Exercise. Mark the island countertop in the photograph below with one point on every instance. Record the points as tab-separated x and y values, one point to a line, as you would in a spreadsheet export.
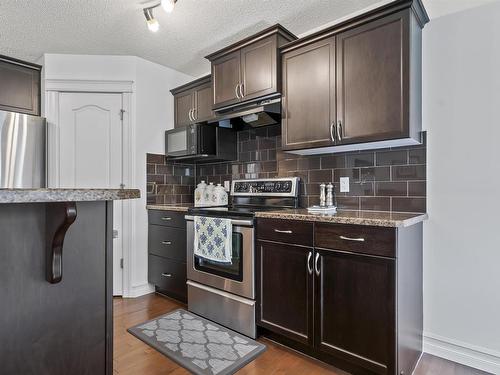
372	218
65	195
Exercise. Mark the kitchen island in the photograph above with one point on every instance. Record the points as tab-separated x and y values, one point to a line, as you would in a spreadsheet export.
56	280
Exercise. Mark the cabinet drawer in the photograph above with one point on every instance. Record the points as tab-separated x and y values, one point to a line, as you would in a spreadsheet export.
167	242
167	218
288	231
168	275
356	238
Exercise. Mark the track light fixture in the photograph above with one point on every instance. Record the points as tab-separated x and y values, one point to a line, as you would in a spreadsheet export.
167	5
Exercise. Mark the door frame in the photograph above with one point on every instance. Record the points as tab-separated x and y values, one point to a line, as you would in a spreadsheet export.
53	89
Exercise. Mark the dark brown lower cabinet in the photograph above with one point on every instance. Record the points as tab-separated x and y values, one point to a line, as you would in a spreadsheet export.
286	290
354	309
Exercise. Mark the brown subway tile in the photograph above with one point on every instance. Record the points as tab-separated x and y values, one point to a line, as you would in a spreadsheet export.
155	159
408	204
221	168
360	189
417	188
150	188
244	156
207	170
287	165
156	178
333	161
391	189
266	143
183	170
375	174
165	189
173	180
150	168
375	203
269	166
319	175
348	203
417	156
164	169
271	154
397	157
250	145
310	189
260	132
360	160
243	136
274	130
309	163
352	173
181	189
282	155
408	172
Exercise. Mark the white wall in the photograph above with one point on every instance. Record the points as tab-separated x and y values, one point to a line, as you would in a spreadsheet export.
461	109
152	113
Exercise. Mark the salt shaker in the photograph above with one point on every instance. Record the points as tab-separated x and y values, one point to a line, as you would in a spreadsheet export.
329	195
322	195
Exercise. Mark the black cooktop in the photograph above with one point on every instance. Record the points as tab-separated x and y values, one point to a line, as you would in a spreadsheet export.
231	211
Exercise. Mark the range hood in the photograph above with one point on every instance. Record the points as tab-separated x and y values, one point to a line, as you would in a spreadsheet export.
258	113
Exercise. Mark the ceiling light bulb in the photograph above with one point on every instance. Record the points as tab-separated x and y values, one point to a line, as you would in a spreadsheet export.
168	5
153	25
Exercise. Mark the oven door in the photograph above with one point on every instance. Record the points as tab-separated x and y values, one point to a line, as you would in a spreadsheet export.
181	141
237	277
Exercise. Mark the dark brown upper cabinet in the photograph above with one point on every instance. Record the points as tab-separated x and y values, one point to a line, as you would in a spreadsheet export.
248	69
19	86
357	84
193	102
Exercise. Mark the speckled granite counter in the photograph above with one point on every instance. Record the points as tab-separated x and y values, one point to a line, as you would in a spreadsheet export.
180	207
65	195
373	218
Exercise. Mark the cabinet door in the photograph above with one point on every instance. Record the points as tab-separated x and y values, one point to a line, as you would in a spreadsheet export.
354	309
258	69
19	88
203	98
226	77
372	84
308	101
285	290
184	103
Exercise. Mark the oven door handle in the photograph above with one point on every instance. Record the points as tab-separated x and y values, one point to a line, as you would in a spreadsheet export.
233	222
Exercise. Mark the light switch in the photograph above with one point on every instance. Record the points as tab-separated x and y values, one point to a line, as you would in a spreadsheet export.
344	184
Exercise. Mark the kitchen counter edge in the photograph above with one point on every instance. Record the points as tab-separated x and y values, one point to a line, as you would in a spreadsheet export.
169	207
66	195
369	218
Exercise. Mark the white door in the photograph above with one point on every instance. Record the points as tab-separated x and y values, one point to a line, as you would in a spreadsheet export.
91	154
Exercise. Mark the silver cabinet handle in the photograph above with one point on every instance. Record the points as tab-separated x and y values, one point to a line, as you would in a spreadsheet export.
352	239
189	115
332	131
166	218
283	231
166	242
166	274
195	114
339	131
236	91
309	265
242	93
316	267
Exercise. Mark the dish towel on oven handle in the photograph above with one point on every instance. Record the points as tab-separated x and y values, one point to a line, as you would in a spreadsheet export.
213	239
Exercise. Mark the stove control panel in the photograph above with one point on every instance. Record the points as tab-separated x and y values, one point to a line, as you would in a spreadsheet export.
271	187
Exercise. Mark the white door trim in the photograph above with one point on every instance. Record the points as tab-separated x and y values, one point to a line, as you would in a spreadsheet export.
53	89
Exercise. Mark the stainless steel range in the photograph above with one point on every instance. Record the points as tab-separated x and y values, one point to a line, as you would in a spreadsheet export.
225	293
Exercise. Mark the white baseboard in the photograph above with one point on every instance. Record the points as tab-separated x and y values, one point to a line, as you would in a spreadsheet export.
464	353
140	290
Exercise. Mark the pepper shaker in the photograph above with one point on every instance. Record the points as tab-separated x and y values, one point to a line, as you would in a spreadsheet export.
322	195
329	194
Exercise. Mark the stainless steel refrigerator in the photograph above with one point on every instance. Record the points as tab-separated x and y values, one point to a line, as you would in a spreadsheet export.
23	140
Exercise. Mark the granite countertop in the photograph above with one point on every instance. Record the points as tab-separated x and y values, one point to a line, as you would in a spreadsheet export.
373	218
181	207
65	195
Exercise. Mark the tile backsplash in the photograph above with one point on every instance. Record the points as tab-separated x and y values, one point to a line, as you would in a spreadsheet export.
384	180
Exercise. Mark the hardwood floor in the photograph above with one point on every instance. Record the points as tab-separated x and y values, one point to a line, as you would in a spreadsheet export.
132	356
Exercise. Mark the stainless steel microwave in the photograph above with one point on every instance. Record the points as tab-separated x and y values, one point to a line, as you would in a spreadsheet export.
201	142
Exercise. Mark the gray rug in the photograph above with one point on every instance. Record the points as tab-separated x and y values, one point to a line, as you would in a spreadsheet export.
197	344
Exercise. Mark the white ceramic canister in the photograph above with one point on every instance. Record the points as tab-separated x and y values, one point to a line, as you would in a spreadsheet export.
220	195
209	195
199	194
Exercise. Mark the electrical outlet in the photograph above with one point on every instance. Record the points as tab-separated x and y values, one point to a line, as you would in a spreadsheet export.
227	186
344	184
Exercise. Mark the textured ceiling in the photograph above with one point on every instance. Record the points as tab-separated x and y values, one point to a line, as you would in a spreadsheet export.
29	28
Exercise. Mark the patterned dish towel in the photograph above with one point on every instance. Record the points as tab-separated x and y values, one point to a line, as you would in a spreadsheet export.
213	239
